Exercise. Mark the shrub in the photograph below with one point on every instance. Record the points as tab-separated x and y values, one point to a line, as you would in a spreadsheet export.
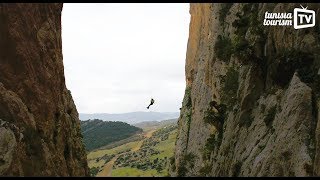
242	24
188	100
188	103
242	49
230	86
206	154
247	19
93	171
182	170
188	97
223	48
189	115
224	12
159	168
211	142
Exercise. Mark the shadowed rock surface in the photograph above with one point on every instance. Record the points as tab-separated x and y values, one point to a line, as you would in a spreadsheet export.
251	105
40	129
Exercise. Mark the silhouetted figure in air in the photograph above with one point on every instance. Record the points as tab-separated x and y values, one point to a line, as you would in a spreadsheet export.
151	103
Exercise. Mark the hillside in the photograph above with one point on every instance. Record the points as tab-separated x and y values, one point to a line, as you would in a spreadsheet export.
131	117
156	124
97	133
150	156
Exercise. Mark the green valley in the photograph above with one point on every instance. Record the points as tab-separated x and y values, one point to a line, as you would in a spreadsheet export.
97	133
148	156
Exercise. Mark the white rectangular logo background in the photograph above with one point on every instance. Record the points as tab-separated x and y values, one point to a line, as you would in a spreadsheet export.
303	15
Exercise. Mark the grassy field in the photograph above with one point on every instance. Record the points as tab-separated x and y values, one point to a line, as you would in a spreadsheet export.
145	158
134	172
166	147
99	153
136	137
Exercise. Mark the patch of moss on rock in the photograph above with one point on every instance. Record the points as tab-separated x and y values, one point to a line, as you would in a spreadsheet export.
230	87
224	11
223	48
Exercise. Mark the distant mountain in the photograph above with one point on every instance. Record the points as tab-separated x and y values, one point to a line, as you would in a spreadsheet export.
149	124
131	117
97	133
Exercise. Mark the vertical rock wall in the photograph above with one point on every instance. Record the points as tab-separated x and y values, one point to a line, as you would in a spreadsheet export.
252	97
39	125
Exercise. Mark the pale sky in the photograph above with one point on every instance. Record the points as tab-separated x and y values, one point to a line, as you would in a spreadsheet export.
118	56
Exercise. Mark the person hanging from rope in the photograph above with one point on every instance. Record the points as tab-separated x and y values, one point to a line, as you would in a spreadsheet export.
151	103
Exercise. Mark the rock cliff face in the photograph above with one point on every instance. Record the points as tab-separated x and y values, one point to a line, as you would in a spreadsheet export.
39	126
251	105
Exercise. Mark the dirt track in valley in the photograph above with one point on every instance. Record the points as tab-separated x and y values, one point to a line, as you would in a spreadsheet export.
107	169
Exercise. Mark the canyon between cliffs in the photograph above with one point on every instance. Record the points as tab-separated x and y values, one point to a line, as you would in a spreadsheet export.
251	104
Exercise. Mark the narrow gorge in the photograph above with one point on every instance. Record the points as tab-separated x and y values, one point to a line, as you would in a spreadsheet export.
251	103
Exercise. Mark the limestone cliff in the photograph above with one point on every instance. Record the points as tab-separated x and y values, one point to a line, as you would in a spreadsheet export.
252	96
39	125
